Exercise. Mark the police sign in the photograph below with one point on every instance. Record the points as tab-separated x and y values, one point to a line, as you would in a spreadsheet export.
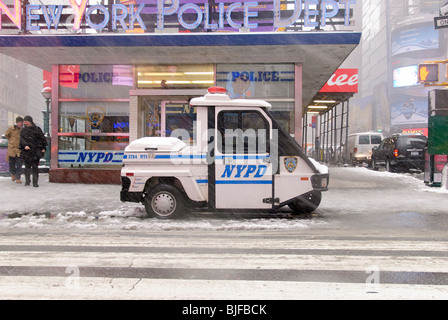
93	157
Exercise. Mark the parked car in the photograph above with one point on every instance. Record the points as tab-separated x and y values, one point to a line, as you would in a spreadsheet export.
360	146
401	152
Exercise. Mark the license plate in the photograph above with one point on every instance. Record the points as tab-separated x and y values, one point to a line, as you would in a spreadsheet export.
414	153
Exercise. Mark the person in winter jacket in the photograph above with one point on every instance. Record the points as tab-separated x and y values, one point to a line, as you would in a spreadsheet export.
13	153
32	144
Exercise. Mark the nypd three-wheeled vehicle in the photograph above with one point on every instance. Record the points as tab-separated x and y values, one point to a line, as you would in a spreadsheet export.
239	158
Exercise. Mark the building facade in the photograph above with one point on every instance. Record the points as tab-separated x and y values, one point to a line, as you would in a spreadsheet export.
20	86
104	107
397	36
121	70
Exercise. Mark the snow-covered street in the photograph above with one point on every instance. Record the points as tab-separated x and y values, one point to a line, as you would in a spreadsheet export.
376	235
358	197
72	208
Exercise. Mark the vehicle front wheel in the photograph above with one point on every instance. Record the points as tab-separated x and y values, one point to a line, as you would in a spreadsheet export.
374	165
165	202
306	203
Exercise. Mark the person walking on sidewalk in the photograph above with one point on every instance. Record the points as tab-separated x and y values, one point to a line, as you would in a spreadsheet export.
32	144
13	153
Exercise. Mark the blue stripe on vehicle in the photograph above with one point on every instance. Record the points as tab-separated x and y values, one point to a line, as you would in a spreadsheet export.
244	182
168	156
242	157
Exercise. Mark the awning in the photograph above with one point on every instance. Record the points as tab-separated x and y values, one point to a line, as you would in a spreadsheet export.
320	53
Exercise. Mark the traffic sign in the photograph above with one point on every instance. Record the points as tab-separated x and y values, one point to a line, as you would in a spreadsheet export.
441	22
428	72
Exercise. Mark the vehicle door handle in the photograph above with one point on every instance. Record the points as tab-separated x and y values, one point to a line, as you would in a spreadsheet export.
267	160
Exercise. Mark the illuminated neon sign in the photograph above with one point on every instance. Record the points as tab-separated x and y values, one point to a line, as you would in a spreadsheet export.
128	16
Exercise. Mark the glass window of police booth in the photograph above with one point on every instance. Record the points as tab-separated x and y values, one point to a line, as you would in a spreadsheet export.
175	76
274	83
92	135
93	115
151	117
95	81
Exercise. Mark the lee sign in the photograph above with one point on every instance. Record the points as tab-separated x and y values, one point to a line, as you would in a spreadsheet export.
343	80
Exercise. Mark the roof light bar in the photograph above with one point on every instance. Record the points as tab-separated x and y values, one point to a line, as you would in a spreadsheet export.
215	90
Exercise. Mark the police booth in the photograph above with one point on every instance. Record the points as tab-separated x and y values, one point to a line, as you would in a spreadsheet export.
122	70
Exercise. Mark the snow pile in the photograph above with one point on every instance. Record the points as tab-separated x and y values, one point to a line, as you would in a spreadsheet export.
407	178
364	198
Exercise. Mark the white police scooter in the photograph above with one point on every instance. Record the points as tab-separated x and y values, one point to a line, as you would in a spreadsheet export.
241	160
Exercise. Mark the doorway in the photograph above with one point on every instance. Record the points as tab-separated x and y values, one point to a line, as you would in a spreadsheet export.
159	115
177	115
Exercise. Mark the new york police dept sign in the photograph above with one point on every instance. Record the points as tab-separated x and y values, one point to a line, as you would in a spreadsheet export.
126	17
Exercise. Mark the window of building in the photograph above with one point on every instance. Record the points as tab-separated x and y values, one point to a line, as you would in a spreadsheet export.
431	6
90	131
274	83
93	128
95	81
424	6
413	7
175	77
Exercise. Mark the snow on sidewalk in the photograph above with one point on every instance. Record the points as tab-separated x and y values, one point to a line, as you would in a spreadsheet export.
81	207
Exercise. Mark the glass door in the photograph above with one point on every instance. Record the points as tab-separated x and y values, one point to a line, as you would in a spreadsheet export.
150	118
178	115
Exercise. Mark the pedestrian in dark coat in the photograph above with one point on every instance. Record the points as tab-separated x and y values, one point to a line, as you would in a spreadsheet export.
32	144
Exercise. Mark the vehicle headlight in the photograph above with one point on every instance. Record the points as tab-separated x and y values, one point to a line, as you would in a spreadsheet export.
320	181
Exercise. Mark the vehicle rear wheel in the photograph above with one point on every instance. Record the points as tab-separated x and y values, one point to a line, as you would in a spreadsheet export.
353	162
306	203
165	202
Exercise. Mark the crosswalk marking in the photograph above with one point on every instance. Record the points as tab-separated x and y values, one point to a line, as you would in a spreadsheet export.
218	240
162	289
227	261
218	266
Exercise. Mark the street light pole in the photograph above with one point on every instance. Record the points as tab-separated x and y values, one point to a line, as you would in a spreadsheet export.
46	93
